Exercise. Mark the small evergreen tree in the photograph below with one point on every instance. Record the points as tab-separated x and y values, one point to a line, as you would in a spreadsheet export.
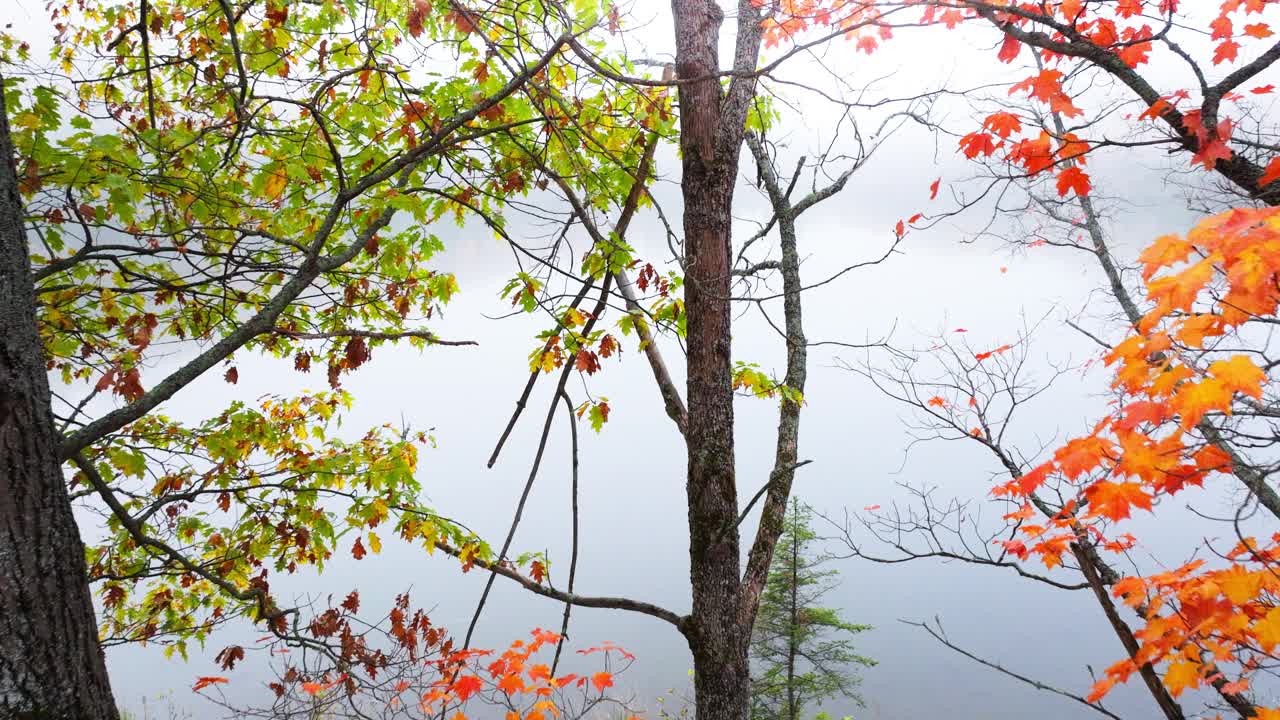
801	653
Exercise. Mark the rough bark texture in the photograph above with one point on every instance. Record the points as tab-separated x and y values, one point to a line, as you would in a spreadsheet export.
711	132
51	666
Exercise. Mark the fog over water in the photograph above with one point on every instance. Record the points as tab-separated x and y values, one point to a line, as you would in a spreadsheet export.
634	540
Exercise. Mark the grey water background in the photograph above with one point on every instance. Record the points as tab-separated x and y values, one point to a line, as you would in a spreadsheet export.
633	521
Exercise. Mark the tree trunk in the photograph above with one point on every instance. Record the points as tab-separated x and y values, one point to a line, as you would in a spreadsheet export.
710	144
793	639
51	665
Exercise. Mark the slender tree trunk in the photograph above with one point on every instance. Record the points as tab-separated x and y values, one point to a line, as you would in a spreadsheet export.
51	665
793	640
1168	706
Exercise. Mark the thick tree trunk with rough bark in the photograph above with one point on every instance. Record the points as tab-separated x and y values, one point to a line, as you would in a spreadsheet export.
711	132
51	665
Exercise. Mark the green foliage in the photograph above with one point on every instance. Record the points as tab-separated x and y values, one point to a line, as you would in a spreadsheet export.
264	177
802	653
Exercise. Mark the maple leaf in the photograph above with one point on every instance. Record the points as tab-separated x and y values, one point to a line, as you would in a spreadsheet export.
1156	109
1133	590
206	681
1180	676
511	684
466	686
1267	630
1239	374
1003	124
1263	89
313	688
936	401
984	355
1036	155
1073	179
1239	585
1113	500
1221	27
1081	455
1165	251
602	680
1100	689
1143	411
977	143
933	189
1227	51
276	183
1258	30
1211	151
1271	173
418	10
1043	86
1009	49
1193	400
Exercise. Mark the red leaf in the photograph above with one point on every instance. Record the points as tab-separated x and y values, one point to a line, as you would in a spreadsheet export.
357	550
1009	49
1272	172
232	375
900	229
977	143
602	680
1227	51
933	189
1075	179
1263	90
465	687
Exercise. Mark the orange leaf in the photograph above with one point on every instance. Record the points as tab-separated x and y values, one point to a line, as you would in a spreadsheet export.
1239	374
1081	455
1165	251
511	684
602	680
1226	52
204	682
1258	30
1113	500
1180	676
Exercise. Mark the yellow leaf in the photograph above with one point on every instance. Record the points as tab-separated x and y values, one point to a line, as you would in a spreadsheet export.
1267	630
276	184
1180	676
1239	585
375	543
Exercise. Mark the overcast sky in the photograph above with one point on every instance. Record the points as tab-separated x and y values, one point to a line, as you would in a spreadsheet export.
635	542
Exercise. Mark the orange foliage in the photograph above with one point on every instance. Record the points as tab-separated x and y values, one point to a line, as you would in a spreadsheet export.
1221	276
